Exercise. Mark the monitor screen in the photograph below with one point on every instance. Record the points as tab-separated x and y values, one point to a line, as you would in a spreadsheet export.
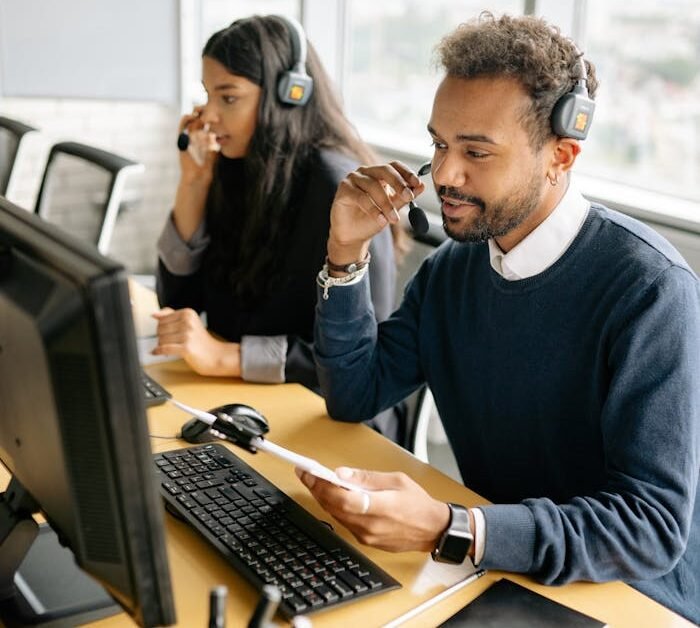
73	429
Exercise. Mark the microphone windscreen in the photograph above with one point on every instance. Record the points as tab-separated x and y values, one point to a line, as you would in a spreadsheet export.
418	220
183	140
425	168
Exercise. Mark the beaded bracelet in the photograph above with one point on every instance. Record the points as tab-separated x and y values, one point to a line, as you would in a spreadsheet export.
326	281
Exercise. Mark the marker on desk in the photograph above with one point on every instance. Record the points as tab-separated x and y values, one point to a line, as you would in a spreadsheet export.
269	601
217	607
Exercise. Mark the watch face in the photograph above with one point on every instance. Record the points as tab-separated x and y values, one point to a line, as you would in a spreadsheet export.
455	546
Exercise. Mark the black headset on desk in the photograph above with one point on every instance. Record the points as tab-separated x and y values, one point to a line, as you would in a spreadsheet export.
294	86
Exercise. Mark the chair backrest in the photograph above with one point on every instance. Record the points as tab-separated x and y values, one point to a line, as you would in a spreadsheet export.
82	190
421	409
12	133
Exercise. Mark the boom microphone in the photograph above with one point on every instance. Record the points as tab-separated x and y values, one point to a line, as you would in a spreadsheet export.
183	140
416	215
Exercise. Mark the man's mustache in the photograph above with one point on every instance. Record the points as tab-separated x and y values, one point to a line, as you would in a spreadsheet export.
456	195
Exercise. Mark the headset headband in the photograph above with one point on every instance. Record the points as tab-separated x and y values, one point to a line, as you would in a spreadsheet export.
298	37
583	81
294	86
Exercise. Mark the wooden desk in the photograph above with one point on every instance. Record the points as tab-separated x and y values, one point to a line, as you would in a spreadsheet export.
298	420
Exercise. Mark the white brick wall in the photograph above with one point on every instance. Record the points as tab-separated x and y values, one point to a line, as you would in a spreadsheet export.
142	131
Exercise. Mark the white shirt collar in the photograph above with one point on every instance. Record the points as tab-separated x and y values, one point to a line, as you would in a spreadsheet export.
547	243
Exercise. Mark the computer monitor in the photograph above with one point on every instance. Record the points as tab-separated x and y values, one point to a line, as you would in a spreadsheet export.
73	431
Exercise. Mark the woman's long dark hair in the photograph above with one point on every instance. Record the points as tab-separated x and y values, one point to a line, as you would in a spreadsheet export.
247	246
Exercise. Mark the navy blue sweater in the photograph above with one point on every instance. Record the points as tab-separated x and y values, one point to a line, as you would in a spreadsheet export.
571	399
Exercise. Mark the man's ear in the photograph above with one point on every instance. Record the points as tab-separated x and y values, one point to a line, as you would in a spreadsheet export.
563	155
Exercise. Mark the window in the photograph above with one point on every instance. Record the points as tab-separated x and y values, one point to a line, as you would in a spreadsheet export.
218	14
646	133
646	130
390	77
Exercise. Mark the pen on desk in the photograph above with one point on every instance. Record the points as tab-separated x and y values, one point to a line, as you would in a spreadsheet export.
269	601
217	607
402	619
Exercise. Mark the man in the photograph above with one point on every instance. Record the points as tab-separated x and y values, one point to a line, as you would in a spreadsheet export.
561	341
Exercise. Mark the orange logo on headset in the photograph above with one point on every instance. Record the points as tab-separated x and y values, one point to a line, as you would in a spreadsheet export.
581	121
296	92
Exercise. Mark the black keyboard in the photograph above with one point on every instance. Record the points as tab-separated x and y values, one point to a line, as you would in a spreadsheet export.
264	534
153	392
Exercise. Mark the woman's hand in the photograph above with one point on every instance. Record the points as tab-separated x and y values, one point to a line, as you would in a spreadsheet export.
181	333
399	516
195	178
197	162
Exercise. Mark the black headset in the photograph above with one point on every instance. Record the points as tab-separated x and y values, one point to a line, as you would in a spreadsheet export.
294	86
573	112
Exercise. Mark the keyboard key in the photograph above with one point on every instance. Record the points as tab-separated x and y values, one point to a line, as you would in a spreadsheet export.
343	589
354	583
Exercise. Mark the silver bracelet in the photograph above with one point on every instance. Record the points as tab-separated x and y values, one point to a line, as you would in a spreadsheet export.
326	281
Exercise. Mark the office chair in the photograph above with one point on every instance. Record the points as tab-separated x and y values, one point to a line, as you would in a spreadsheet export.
82	190
12	134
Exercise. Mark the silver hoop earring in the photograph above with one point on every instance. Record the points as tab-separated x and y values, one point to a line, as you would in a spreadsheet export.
553	181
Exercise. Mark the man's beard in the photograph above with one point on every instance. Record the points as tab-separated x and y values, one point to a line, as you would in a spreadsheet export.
495	219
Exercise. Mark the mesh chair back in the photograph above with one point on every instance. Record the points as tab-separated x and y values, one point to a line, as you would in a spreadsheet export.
12	133
82	190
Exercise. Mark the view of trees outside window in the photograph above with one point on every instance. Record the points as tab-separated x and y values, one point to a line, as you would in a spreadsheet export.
647	122
646	131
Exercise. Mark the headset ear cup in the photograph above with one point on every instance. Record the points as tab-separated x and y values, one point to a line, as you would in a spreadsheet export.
294	88
560	115
572	114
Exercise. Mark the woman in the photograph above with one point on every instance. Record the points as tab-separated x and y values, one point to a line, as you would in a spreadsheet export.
248	231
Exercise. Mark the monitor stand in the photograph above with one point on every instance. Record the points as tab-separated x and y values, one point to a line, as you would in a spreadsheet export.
47	589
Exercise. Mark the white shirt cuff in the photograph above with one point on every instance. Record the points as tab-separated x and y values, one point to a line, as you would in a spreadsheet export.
479	535
263	359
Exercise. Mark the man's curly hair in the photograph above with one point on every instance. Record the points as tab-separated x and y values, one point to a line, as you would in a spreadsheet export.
524	48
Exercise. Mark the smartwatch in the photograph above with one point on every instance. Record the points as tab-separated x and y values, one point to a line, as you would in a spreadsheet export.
456	541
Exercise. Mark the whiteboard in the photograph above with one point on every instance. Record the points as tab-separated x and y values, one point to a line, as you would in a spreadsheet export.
124	50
